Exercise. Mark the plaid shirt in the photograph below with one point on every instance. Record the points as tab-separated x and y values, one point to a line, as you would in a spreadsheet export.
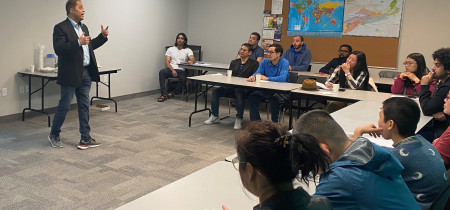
351	82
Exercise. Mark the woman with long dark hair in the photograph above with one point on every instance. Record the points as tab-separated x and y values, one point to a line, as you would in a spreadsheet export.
269	158
408	82
352	74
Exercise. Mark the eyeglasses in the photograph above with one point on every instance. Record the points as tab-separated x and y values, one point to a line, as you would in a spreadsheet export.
236	163
270	52
408	63
343	51
242	49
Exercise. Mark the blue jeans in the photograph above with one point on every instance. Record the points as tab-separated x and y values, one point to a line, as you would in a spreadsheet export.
239	95
259	96
82	94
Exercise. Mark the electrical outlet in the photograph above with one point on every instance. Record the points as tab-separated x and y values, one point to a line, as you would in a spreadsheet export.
21	89
4	91
26	88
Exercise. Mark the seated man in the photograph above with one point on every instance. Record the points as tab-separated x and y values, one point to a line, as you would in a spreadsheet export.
424	168
242	67
175	55
361	175
298	56
344	51
432	104
274	68
258	52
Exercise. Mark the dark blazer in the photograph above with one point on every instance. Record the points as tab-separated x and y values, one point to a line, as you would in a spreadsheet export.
70	54
250	67
332	65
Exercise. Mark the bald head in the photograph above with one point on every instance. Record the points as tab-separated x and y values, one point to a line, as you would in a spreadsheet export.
321	125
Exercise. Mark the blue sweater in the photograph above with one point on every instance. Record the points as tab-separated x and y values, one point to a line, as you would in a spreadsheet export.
277	73
424	172
299	61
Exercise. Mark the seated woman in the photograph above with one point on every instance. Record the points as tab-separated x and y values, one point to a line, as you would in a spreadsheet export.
442	143
408	82
353	74
269	158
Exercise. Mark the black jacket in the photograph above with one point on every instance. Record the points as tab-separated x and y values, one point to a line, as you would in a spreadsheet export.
431	104
332	65
70	54
250	67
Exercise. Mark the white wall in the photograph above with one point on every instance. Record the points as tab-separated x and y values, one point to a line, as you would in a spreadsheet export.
220	27
139	31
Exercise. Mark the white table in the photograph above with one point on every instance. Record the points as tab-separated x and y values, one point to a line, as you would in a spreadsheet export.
365	112
48	77
223	80
207	188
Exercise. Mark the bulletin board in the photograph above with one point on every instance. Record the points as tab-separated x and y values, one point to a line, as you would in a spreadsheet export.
380	51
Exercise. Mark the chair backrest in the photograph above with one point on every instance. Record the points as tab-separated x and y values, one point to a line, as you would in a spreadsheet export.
388	74
196	49
301	78
293	76
309	68
372	86
441	200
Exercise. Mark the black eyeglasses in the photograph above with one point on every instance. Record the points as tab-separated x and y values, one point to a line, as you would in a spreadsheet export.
343	51
408	63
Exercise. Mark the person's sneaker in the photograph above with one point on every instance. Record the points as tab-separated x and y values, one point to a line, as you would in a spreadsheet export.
212	119
55	141
237	124
88	144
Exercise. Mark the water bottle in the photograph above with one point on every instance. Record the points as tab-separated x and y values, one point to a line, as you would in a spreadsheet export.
50	60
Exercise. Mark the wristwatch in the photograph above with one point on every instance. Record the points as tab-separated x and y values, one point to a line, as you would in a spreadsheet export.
346	74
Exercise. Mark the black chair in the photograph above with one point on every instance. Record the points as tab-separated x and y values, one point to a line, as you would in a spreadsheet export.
197	50
441	201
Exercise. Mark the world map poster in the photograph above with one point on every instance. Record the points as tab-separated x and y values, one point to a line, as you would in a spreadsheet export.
316	16
380	18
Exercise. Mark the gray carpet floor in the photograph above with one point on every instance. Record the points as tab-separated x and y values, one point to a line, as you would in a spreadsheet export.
145	146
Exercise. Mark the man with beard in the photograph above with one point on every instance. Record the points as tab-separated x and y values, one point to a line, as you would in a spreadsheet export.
432	105
298	56
344	51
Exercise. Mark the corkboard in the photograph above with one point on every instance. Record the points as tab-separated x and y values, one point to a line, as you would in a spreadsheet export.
380	51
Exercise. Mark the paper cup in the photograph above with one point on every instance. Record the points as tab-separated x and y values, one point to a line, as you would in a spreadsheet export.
31	68
229	73
258	78
335	88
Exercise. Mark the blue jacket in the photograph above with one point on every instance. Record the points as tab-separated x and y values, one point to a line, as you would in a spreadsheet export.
366	176
277	73
299	62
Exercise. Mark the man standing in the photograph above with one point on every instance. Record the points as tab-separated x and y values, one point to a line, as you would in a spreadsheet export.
298	56
433	104
175	55
276	69
361	175
258	52
77	67
241	67
344	51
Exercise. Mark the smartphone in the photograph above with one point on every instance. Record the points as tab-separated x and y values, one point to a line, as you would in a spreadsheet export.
342	89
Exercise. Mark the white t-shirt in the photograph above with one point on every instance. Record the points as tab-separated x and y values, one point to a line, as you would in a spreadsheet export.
177	56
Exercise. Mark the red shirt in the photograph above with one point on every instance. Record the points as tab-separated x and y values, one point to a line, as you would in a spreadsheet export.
442	144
